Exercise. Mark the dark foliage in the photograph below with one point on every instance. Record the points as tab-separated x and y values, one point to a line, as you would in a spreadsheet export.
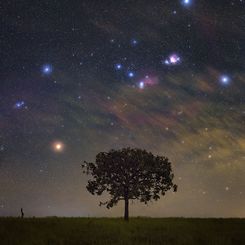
129	174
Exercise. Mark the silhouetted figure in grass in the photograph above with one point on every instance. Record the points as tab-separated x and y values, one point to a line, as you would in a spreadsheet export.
129	174
22	213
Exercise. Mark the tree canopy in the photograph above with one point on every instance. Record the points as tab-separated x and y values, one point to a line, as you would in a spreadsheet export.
129	174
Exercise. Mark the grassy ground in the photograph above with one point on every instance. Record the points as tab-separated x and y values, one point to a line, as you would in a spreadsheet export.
37	231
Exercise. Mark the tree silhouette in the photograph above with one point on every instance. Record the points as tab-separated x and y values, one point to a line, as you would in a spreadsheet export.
129	174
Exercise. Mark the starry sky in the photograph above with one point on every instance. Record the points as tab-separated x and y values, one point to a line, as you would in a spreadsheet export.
80	77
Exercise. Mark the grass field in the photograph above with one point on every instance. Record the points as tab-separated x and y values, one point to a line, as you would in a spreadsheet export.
102	231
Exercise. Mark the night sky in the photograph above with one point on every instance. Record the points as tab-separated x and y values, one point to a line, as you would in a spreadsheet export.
80	77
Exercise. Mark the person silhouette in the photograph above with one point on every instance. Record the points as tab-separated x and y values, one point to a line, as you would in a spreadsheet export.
22	213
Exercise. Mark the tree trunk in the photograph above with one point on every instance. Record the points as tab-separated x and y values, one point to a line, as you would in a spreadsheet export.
126	209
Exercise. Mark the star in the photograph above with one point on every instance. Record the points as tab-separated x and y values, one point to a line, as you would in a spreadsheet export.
58	146
118	66
47	69
186	2
141	85
130	74
147	81
225	80
134	42
19	104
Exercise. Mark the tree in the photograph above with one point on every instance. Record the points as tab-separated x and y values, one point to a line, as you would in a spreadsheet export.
129	174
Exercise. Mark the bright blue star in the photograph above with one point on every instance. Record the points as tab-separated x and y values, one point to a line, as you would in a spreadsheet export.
118	66
19	104
141	85
47	69
134	42
186	2
130	74
225	80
